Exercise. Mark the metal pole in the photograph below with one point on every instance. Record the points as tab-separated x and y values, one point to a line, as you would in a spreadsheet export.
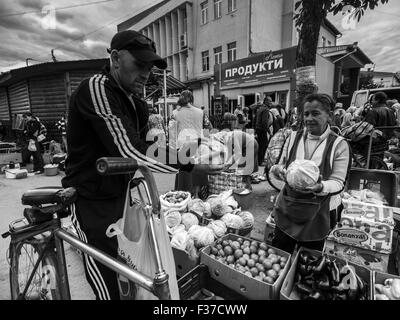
135	276
165	97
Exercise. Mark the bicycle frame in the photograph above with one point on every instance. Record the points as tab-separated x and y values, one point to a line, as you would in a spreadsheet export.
158	286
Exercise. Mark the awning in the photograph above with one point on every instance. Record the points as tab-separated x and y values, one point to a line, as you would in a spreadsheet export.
155	84
350	55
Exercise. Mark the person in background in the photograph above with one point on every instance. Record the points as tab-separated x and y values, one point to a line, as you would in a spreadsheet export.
3	131
380	116
279	112
246	118
305	217
156	128
395	106
264	120
30	146
338	114
206	120
189	122
61	125
240	122
349	117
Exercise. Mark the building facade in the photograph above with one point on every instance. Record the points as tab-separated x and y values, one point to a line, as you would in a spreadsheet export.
196	36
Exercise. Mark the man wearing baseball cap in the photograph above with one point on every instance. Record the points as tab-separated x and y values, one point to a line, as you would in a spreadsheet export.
107	118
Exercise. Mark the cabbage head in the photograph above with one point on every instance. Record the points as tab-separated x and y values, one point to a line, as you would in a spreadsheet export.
232	221
202	236
189	219
173	219
248	219
302	174
218	227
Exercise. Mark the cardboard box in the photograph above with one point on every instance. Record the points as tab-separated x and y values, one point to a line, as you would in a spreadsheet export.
249	287
269	232
365	226
183	264
368	212
16	173
370	259
287	292
379	278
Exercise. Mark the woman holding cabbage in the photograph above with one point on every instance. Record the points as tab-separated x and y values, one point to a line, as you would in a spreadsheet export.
314	164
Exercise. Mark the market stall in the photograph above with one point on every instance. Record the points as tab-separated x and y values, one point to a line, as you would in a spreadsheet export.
216	257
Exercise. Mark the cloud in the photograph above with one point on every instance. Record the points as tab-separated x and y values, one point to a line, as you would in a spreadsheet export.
80	33
377	35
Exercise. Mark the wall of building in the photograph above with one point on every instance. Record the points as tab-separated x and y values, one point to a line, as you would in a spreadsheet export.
231	27
266	25
325	70
324	32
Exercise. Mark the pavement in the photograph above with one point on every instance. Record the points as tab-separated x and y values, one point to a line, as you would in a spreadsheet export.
11	209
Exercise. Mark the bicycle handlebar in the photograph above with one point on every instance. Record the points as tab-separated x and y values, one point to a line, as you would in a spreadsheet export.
116	166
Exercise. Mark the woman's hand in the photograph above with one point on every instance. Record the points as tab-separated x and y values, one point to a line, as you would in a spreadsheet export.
316	188
279	172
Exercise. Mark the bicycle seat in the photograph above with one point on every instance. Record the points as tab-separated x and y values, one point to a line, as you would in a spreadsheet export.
49	195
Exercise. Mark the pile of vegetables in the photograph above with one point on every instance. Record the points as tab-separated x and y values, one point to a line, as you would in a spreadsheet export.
254	259
194	224
390	290
321	278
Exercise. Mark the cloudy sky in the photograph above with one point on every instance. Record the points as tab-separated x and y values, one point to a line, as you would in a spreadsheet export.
84	31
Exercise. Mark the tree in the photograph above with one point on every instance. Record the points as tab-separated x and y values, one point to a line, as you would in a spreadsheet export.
309	17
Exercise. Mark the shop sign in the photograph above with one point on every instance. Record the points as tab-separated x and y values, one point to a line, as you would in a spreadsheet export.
258	69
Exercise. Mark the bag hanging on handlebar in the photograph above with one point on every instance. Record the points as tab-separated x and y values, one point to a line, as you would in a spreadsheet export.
136	248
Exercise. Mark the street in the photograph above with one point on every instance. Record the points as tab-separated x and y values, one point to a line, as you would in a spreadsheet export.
11	209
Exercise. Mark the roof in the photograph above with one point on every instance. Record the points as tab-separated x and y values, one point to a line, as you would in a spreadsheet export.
49	68
42	69
140	16
337	52
331	27
379	73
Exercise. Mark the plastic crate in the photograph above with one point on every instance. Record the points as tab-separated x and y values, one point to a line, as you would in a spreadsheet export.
191	285
375	180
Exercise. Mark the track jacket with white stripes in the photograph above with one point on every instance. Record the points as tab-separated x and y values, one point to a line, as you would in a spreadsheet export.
103	121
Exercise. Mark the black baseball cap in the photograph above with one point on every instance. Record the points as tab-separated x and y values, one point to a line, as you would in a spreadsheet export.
140	46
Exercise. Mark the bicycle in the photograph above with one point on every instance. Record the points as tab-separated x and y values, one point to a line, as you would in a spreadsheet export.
36	252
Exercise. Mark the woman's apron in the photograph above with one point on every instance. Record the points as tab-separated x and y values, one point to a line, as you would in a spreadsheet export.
305	217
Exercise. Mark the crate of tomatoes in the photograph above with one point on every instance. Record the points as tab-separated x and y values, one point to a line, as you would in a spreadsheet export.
249	267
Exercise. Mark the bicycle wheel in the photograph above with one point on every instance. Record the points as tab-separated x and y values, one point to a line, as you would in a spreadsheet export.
44	286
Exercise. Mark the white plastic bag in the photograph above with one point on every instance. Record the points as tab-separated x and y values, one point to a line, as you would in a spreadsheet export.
140	253
32	145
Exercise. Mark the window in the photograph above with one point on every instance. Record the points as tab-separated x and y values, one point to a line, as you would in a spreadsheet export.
218	55
231	5
205	59
204	12
231	51
323	42
217	9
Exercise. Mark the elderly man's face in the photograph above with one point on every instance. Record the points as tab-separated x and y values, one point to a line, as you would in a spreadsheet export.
133	74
